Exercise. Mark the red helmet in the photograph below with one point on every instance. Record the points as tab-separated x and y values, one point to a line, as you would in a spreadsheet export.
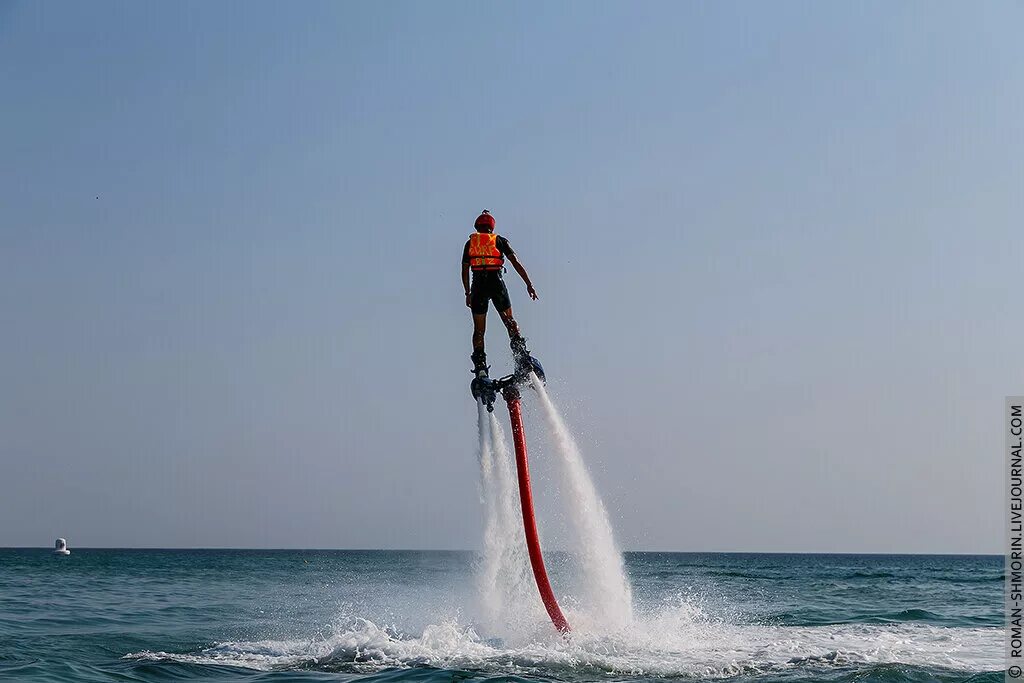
484	220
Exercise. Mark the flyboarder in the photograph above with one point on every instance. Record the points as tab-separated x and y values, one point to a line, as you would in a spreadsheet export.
485	254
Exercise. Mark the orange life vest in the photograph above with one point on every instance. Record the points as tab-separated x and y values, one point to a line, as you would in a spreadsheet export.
483	252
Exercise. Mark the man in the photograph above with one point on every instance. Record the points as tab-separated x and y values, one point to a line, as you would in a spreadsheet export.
485	254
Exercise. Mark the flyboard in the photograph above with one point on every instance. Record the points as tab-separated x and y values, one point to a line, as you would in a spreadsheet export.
486	390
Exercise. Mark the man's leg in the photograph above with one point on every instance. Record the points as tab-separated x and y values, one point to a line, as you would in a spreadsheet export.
516	341
503	306
510	323
479	327
479	358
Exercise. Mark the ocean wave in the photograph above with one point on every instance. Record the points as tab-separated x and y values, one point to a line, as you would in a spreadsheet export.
865	574
737	574
991	578
903	615
829	617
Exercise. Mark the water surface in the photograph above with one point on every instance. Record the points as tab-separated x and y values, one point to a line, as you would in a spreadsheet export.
235	615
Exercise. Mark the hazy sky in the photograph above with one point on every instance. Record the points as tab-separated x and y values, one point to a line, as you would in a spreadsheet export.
776	246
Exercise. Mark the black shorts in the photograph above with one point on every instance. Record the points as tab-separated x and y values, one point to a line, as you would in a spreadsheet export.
488	286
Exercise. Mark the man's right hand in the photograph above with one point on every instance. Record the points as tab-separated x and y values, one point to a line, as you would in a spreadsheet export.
469	300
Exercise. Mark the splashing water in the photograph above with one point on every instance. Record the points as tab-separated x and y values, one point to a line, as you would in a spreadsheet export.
508	596
668	645
608	599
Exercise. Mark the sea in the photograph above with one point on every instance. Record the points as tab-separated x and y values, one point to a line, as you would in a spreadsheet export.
390	616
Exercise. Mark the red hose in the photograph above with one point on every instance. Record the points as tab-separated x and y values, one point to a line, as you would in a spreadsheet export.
529	521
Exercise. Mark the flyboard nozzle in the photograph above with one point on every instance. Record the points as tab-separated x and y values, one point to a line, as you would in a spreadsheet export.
484	389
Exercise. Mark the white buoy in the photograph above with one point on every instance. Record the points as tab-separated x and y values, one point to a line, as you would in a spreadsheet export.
60	547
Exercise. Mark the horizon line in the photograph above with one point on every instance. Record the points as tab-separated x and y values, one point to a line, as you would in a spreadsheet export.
464	550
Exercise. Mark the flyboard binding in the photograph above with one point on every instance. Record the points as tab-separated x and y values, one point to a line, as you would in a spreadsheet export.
485	390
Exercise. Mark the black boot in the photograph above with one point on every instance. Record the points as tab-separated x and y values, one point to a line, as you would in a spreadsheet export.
479	359
519	350
523	361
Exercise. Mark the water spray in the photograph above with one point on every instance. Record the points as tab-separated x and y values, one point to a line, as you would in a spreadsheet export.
485	390
540	574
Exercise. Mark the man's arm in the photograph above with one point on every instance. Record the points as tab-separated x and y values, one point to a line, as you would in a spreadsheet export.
465	282
523	274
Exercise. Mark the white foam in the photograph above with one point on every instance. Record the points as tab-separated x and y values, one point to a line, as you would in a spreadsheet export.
675	641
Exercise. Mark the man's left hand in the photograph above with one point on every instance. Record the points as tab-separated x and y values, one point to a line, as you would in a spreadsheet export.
532	292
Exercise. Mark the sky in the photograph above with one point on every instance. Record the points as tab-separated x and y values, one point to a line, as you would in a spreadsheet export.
777	248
